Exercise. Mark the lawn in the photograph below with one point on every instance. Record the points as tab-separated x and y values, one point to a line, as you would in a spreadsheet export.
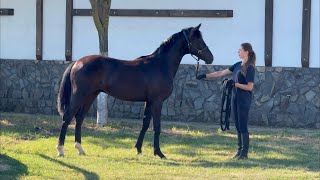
193	150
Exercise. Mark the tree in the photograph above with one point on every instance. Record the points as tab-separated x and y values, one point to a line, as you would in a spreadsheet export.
100	14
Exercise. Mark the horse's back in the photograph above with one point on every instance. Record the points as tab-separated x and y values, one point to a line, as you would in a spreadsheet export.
120	78
134	80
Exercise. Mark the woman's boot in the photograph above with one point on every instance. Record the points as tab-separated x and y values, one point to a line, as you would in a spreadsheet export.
239	146
245	146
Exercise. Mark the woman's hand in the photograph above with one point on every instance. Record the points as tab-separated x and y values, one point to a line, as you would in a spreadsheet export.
202	76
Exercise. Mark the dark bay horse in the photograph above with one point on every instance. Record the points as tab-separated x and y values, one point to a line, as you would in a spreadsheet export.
148	79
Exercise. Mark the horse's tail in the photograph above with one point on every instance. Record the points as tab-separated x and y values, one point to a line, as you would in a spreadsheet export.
64	91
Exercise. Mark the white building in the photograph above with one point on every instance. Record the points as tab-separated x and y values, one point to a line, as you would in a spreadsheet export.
138	36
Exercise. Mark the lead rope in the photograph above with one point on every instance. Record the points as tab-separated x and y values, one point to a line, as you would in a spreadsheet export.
225	105
197	68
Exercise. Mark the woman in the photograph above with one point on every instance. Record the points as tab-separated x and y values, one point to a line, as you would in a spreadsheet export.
243	75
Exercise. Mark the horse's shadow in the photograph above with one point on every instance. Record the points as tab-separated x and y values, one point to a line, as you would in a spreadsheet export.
87	174
11	168
189	146
124	136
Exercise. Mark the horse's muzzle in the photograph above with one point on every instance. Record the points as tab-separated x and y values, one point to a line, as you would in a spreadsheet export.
209	60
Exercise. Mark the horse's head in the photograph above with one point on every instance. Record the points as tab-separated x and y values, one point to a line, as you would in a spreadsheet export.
196	44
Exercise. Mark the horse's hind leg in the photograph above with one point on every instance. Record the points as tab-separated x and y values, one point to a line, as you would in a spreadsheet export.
66	120
79	120
145	126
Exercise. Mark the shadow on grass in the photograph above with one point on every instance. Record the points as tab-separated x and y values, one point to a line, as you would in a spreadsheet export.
11	168
287	155
295	154
267	163
294	157
87	174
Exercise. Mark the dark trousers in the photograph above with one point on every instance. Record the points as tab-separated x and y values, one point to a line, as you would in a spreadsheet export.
241	102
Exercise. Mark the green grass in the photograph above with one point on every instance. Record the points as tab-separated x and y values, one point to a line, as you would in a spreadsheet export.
194	151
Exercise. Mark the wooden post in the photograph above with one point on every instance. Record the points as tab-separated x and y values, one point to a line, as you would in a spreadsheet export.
306	22
39	29
69	24
268	33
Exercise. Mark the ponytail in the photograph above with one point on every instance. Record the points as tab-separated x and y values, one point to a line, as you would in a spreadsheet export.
251	58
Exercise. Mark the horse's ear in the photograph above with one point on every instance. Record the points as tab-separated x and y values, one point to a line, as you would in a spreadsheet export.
195	29
198	27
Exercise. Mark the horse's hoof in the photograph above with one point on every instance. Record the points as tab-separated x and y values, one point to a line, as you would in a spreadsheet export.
82	153
79	148
139	151
161	157
159	153
60	151
60	155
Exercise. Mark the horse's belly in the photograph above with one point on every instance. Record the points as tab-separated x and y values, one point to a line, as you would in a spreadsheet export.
128	91
133	99
128	97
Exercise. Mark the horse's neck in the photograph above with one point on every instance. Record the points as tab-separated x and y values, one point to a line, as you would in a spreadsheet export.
174	56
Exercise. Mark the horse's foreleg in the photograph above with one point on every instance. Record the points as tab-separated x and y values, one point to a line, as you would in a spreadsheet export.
156	113
145	126
79	120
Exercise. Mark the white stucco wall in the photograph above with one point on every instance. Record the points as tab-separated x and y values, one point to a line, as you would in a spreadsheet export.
18	32
314	36
131	37
54	25
287	35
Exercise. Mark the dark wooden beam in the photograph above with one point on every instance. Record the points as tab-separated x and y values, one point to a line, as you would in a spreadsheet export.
82	12
306	22
160	13
6	12
268	33
69	24
39	29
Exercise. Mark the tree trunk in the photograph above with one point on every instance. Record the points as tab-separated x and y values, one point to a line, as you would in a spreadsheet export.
100	14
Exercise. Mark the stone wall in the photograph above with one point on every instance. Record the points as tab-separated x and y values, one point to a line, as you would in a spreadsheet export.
283	97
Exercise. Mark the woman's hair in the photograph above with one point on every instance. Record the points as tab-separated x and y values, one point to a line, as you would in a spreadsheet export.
251	58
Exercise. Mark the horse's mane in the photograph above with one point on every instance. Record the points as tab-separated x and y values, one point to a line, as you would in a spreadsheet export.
169	42
165	45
